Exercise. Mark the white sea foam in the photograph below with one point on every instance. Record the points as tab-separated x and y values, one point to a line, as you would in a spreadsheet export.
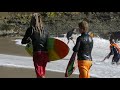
98	69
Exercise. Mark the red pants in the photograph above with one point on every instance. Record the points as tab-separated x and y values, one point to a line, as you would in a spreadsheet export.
40	60
84	68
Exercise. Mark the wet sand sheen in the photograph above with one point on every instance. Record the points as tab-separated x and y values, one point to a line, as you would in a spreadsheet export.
7	46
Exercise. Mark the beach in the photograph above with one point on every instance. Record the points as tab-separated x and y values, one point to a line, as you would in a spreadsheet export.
8	47
12	72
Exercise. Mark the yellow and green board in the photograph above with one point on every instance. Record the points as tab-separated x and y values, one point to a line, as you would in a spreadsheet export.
71	67
57	49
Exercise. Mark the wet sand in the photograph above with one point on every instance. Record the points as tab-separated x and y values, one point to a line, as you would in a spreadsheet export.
7	46
12	72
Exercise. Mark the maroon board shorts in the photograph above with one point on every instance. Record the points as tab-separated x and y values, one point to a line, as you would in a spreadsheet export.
40	59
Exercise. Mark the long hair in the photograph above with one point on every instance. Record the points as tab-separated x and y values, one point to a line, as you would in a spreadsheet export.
36	23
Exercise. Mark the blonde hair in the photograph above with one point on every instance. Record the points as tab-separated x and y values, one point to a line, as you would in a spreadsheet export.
36	23
84	25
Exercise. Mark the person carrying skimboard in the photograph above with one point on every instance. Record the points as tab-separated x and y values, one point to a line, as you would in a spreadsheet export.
83	48
37	34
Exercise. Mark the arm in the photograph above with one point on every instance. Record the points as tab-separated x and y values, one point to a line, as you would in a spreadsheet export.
107	57
111	53
26	38
77	45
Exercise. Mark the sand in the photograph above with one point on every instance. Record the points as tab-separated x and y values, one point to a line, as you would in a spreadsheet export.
9	47
12	72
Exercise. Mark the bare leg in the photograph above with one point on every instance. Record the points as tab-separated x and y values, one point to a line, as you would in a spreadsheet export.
41	77
73	42
68	42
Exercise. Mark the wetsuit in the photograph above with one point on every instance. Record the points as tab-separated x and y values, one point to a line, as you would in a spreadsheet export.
70	35
115	50
83	47
40	54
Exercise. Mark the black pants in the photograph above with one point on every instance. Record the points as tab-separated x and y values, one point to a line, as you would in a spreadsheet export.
116	58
